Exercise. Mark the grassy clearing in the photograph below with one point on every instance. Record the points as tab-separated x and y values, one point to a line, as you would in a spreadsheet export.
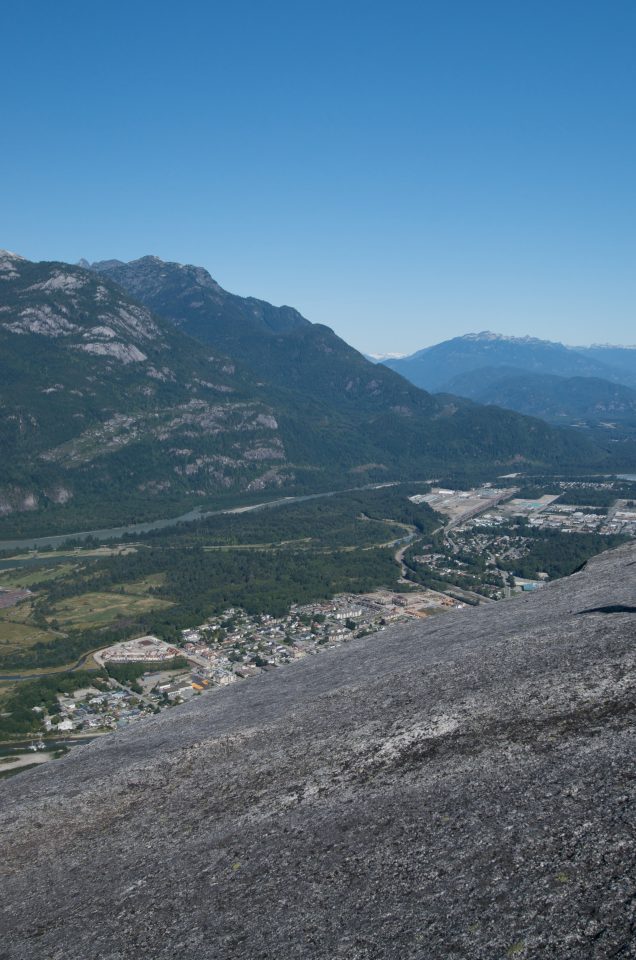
21	613
33	574
14	635
91	663
141	588
18	631
76	553
23	577
93	610
35	672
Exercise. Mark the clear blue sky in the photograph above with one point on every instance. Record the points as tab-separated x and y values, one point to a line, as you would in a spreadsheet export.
403	172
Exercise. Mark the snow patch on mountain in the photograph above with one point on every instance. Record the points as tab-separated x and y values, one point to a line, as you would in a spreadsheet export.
8	265
608	346
378	357
488	335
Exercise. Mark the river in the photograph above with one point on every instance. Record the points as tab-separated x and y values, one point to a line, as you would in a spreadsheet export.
115	533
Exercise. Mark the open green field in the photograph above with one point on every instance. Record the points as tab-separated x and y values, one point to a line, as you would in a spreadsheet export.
76	553
13	635
18	631
91	610
20	613
21	628
28	578
142	588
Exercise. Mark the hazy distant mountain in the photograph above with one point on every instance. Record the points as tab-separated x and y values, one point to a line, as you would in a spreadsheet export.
404	425
379	357
112	410
277	343
559	400
621	359
435	368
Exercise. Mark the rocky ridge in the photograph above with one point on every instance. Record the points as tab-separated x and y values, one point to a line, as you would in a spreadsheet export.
99	394
459	788
191	291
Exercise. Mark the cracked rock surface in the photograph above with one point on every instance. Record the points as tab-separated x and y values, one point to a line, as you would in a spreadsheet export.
459	788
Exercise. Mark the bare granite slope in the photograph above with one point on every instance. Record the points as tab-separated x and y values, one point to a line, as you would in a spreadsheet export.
460	788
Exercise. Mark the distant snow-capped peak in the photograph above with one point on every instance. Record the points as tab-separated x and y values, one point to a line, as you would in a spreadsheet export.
377	357
500	337
609	346
9	263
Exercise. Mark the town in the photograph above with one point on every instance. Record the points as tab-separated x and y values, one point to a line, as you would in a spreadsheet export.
146	675
490	545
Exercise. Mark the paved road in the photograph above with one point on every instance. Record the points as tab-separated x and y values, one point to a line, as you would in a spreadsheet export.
457	593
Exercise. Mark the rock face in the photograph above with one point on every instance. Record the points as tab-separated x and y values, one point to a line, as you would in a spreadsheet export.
100	397
459	788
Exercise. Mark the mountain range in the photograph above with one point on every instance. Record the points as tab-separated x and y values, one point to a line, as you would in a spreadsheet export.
131	389
435	368
562	385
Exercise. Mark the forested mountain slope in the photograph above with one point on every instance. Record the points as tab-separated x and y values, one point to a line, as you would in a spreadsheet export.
621	359
277	343
559	400
459	788
287	351
101	400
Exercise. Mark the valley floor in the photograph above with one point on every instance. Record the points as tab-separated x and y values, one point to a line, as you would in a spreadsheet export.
244	592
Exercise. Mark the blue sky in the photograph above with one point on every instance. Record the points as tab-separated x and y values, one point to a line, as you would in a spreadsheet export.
402	172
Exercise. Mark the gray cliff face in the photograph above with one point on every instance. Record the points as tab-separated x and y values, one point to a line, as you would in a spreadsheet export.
459	788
